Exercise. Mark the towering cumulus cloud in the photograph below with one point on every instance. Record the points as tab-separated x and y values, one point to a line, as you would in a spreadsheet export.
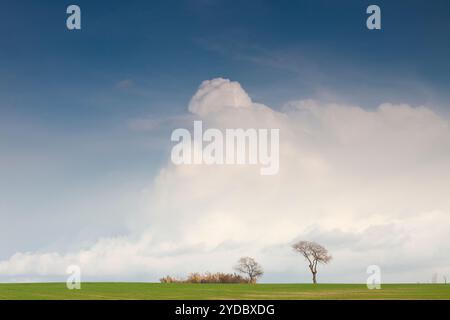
217	94
370	185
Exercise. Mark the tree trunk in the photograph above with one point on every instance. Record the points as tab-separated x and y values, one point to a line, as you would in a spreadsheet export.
314	278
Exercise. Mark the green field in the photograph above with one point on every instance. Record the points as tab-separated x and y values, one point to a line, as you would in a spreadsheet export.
155	291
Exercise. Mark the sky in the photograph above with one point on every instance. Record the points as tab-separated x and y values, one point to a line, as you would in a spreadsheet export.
86	118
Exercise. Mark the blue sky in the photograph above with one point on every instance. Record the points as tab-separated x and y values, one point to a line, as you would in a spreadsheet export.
167	48
67	98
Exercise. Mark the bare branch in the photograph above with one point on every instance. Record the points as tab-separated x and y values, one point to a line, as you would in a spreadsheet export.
249	267
314	253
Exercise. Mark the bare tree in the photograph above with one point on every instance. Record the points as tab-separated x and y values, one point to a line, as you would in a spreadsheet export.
313	253
250	268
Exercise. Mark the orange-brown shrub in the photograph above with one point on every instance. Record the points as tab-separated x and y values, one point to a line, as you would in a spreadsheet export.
168	279
207	277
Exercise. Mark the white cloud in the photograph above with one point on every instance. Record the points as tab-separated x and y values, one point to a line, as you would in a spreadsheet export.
371	185
218	94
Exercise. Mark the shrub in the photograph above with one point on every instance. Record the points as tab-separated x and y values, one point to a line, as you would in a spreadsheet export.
207	277
168	279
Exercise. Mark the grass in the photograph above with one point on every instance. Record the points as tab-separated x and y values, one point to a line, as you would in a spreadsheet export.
157	291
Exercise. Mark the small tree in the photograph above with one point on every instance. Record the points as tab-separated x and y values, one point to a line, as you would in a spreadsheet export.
313	253
250	268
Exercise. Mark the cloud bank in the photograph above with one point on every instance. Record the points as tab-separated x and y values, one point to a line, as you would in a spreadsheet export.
370	185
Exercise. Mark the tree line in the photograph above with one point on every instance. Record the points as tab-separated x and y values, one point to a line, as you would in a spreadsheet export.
249	270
